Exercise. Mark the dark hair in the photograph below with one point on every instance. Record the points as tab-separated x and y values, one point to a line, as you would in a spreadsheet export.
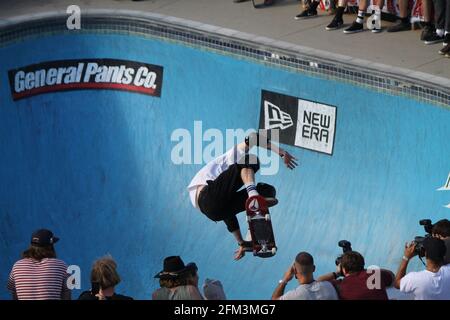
304	259
352	262
39	253
442	228
183	279
104	272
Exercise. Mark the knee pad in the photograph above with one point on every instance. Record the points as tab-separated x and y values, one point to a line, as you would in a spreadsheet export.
266	190
249	161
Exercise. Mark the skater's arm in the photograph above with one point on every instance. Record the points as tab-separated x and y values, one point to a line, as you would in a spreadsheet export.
240	252
261	140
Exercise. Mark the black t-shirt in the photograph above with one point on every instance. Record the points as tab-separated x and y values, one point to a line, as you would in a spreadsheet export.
87	295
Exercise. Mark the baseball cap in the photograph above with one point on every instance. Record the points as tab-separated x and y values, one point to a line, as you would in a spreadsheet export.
434	249
43	237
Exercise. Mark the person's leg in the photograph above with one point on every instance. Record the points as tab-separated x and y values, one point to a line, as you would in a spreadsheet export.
439	16
338	21
428	32
357	25
446	49
447	23
404	22
310	11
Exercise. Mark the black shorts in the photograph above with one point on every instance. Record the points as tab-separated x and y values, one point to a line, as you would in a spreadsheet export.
221	199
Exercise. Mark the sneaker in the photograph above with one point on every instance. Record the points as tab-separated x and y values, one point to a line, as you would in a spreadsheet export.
376	30
355	27
433	38
445	50
308	13
400	26
336	23
447	39
427	32
271	202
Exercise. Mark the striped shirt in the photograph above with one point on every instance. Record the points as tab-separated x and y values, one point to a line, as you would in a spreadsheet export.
38	280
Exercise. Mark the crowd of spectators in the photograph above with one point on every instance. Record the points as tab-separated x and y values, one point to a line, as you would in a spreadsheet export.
435	19
40	275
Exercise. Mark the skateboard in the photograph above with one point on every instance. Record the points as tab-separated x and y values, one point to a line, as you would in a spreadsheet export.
260	225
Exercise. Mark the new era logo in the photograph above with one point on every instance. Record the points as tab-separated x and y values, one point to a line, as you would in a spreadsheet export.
274	118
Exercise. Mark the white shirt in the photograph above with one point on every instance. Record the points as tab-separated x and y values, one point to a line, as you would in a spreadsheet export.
212	170
427	285
317	290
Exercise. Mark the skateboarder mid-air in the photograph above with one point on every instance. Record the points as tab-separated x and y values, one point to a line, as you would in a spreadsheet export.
215	188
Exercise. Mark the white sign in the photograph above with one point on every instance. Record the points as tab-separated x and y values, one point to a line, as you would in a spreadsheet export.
316	124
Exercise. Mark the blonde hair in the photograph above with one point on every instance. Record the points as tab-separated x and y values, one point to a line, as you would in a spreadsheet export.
104	272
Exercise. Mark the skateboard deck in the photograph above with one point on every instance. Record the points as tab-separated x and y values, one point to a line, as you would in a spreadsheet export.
260	225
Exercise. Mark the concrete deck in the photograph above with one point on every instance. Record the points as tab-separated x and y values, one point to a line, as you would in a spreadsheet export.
403	49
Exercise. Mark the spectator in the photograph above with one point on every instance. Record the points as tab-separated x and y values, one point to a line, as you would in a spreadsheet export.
433	283
355	284
441	230
178	281
104	279
213	290
428	35
309	11
358	24
308	289
442	20
404	24
39	275
338	21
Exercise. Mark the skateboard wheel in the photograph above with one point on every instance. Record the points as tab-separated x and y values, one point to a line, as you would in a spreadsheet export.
267	217
274	250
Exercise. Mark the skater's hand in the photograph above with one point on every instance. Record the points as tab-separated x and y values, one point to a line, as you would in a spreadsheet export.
289	160
239	253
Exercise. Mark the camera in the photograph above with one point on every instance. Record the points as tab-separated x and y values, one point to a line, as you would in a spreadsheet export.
418	241
346	247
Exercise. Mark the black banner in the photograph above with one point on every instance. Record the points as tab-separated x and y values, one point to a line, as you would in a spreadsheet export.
301	123
86	74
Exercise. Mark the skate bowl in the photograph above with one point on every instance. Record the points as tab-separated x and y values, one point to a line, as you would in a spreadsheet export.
95	162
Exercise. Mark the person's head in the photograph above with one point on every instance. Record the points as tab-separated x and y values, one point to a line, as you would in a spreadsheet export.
41	245
435	250
104	273
304	267
441	229
352	262
175	273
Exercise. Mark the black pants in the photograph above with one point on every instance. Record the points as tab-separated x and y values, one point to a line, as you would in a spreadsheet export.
442	14
220	200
